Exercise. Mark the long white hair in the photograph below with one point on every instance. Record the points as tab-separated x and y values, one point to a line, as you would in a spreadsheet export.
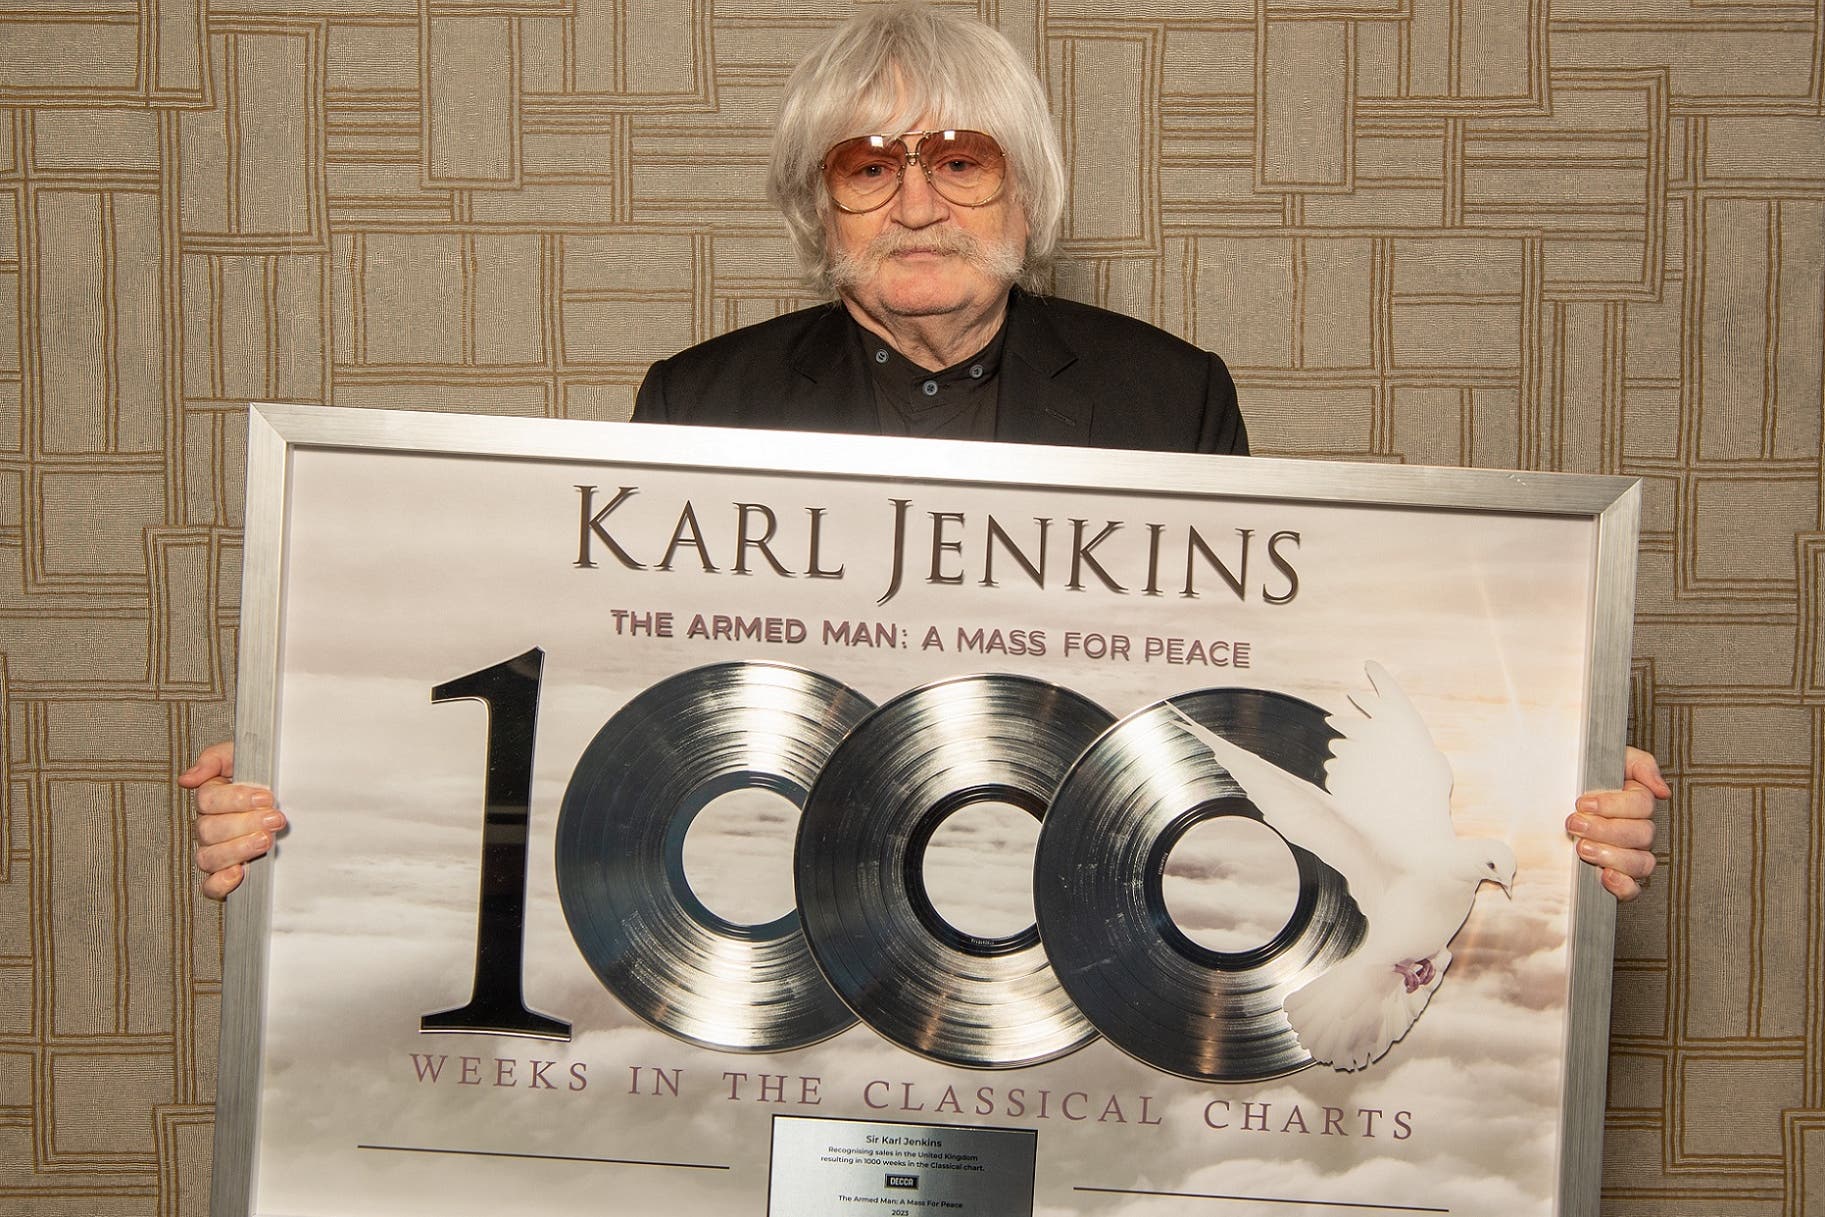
887	69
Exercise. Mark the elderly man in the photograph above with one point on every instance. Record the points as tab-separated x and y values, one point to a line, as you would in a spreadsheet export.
921	179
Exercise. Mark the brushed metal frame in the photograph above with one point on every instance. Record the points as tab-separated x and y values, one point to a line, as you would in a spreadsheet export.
275	431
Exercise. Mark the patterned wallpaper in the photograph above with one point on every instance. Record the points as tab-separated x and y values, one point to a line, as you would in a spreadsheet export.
1568	235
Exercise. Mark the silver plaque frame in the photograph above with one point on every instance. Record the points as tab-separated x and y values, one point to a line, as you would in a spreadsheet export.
1607	509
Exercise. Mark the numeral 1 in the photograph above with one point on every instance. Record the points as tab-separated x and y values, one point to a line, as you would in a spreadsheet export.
497	1005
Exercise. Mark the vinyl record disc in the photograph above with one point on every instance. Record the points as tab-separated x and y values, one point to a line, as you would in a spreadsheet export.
910	974
620	853
1098	890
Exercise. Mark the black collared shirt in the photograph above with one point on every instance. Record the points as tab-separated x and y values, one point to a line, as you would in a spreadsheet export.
957	403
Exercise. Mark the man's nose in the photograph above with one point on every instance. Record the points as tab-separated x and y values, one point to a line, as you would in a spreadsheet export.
917	204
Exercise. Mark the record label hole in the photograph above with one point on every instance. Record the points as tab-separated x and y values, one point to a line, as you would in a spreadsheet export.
738	856
1230	884
979	869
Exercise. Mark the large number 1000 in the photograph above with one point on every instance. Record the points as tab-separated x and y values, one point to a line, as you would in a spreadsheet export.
637	785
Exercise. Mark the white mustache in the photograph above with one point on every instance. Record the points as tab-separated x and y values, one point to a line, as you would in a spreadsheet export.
998	259
924	241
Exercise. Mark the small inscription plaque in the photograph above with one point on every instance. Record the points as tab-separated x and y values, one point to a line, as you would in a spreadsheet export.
842	1168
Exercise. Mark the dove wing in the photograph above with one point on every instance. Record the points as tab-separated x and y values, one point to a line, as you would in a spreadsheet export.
1388	775
1302	813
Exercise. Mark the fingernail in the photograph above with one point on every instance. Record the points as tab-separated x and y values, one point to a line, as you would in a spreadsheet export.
1587	803
1577	825
262	841
1587	849
273	820
259	799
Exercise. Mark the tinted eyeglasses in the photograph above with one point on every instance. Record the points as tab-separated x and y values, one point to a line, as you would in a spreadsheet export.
965	167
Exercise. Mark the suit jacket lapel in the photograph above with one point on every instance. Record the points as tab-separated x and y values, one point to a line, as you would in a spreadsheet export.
1038	403
830	388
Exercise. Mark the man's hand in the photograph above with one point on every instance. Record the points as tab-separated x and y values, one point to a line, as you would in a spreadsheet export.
1615	828
235	822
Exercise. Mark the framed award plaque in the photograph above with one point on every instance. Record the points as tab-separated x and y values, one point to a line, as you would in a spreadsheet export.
703	822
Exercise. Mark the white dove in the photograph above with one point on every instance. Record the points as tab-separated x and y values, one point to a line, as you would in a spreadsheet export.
1385	826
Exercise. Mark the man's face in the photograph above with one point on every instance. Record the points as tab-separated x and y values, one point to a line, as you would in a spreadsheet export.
924	256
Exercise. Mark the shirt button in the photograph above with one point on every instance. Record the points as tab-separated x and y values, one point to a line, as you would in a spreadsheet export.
975	371
880	356
931	388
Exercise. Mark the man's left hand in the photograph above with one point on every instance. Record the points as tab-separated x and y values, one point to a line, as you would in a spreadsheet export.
1615	828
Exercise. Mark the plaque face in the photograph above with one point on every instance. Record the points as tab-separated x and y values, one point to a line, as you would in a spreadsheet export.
836	1168
697	822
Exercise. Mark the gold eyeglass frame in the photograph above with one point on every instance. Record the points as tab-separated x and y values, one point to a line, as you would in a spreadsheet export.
910	158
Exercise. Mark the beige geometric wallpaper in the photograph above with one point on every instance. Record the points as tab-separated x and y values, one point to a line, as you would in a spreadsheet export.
1579	234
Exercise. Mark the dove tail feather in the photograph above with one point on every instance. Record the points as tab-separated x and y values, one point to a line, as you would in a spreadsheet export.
1349	1017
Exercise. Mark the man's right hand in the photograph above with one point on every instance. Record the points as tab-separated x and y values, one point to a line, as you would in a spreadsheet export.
235	821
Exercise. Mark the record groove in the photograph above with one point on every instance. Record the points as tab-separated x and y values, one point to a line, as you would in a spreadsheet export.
620	853
912	976
1138	978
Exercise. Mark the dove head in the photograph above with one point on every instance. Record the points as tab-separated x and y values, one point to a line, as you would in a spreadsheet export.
1489	860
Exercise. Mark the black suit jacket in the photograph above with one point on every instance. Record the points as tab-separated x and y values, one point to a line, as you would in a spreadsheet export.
1070	374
